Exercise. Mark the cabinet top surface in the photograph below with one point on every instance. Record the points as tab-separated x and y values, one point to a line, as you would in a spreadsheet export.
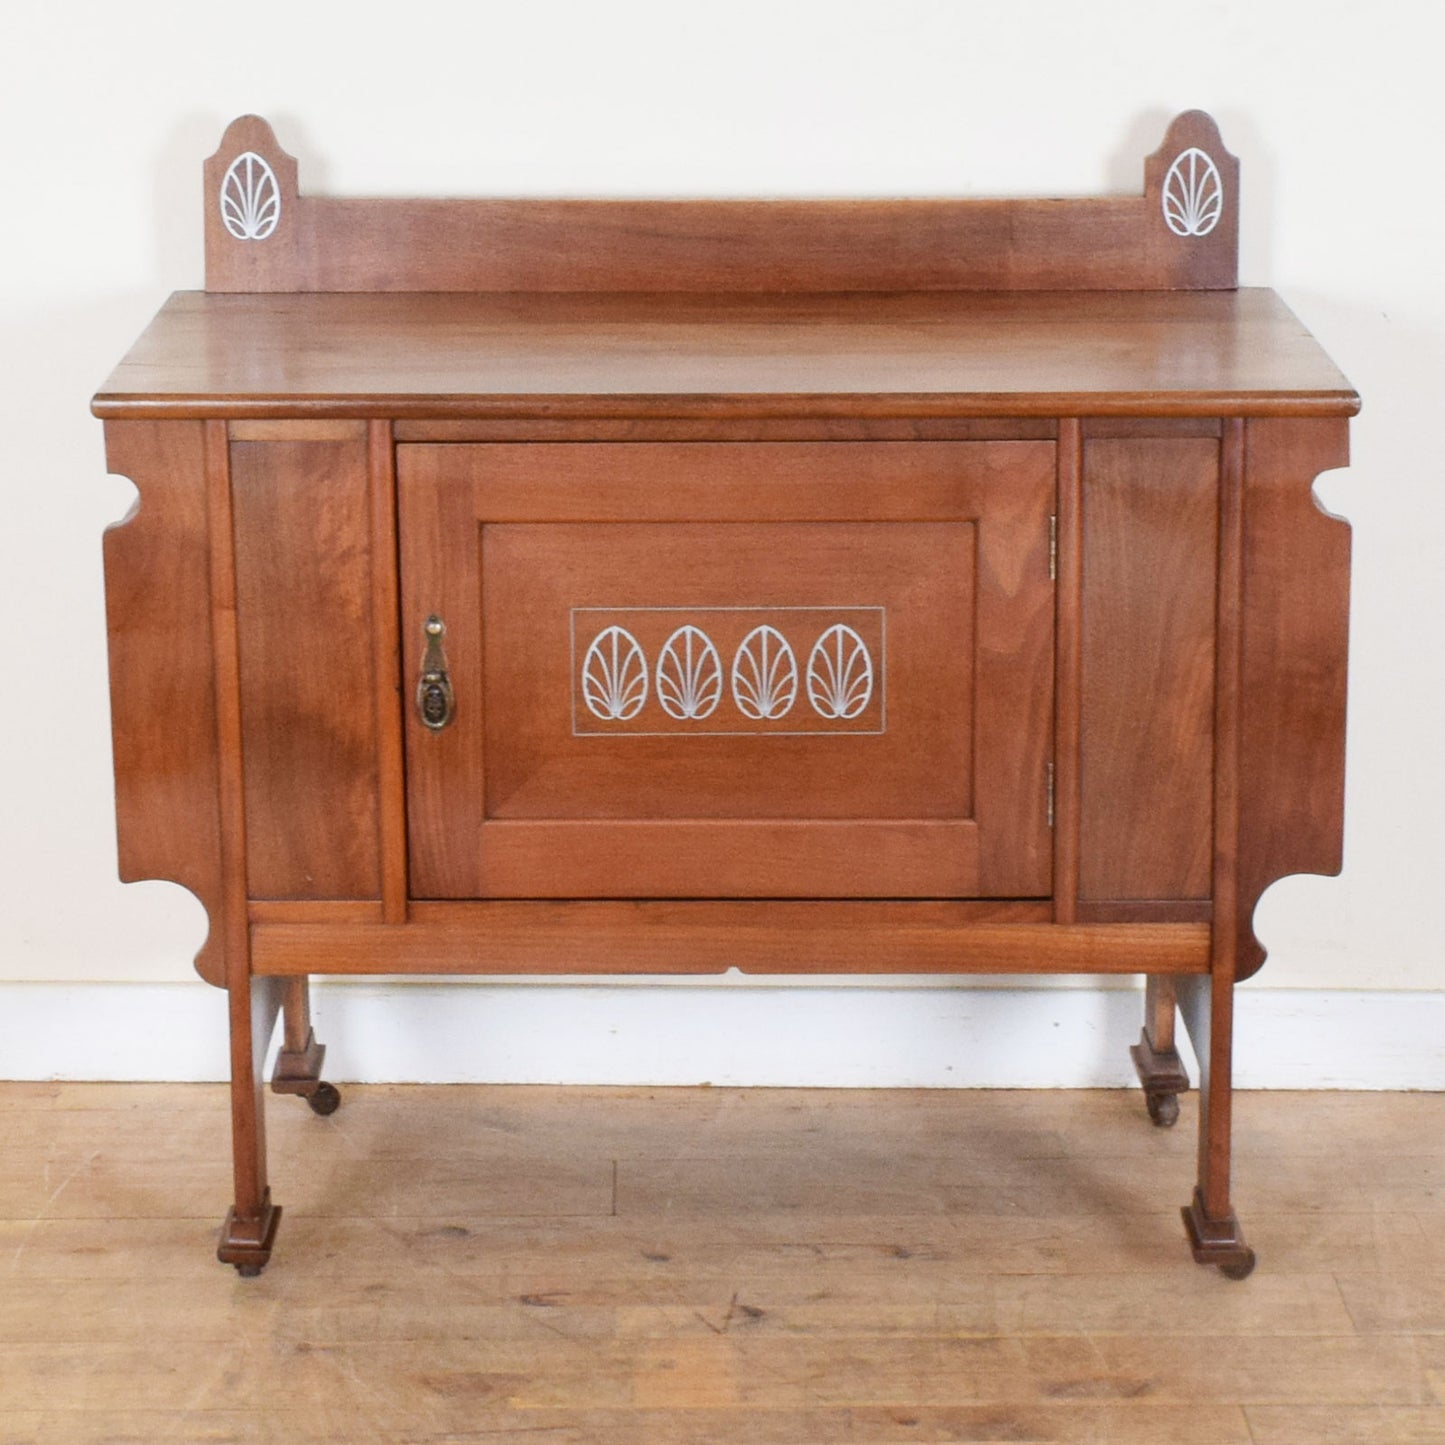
659	355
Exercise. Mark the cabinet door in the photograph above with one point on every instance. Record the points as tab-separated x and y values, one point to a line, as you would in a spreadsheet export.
731	669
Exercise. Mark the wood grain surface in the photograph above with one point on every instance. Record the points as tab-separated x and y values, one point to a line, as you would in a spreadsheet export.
701	1267
606	356
1146	414
289	241
1147	766
698	936
940	791
305	585
162	671
1295	643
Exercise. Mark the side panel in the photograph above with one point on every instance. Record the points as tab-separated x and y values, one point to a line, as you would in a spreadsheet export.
1149	564
308	692
162	687
1295	646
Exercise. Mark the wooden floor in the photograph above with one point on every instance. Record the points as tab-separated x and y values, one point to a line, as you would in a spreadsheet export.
623	1266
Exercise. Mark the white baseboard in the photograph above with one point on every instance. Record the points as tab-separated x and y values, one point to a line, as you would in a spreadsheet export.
897	1035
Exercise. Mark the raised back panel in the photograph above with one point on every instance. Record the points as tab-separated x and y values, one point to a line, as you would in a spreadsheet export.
262	234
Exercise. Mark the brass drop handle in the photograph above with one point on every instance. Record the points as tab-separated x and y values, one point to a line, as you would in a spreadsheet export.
435	703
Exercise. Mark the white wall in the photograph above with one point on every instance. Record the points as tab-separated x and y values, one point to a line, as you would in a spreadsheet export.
107	111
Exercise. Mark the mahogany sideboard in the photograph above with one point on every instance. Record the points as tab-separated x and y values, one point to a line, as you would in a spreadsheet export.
647	586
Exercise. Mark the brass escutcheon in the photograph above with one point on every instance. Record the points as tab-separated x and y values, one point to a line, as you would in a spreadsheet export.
435	702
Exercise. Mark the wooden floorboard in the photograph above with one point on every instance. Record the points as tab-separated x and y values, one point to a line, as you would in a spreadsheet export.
769	1267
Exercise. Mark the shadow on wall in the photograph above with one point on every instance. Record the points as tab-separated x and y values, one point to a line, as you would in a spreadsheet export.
910	1033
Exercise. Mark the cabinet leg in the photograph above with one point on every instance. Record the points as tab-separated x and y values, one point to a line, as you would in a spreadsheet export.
250	1227
298	1065
1207	1003
246	1240
1157	1062
1207	1000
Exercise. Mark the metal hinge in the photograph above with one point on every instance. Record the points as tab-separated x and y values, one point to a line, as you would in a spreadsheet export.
1053	549
1050	792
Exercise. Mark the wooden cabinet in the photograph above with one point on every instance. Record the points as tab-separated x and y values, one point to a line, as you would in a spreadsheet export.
549	587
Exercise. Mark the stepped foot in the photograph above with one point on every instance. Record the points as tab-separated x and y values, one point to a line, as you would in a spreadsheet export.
1218	1241
1161	1072
298	1071
246	1241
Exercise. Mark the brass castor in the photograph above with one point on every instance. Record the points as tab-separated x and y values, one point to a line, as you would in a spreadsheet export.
1241	1268
324	1099
1163	1109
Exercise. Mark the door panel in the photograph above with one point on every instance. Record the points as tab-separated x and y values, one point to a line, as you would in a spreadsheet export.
713	669
691	678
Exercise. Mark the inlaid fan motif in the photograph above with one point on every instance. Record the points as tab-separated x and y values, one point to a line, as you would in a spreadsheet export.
250	198
675	681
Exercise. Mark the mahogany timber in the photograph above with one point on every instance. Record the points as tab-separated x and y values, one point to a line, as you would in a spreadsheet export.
162	682
734	429
1148	667
321	243
386	670
1295	628
945	798
695	937
1068	547
300	1059
304	578
254	1002
599	357
1207	1003
315	469
1156	1060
